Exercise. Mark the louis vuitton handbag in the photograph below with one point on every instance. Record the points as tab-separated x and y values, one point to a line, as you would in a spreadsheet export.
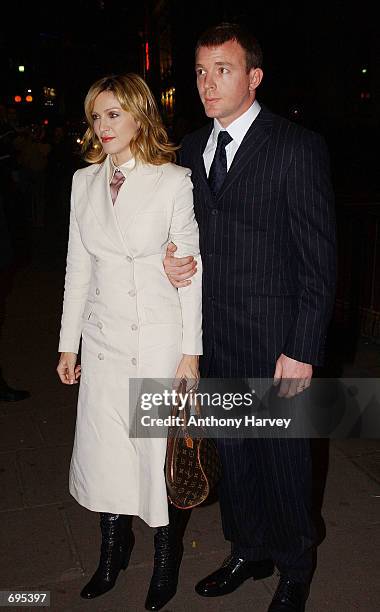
193	466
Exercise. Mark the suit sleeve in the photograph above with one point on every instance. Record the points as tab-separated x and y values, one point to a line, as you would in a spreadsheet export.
77	282
185	234
312	226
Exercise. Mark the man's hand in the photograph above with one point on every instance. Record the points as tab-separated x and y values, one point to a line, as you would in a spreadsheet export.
293	375
178	270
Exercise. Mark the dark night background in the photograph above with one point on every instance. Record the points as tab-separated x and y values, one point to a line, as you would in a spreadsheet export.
321	68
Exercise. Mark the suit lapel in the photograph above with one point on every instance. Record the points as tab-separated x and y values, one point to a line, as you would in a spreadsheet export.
199	166
255	138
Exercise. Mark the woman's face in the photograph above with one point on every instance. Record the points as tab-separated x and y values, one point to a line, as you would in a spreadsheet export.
114	127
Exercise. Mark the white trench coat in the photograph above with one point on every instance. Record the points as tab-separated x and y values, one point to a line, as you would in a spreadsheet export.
133	324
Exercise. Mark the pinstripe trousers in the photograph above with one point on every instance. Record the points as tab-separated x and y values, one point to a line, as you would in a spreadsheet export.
265	500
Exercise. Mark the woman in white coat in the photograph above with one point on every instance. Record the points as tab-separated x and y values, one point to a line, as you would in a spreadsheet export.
125	208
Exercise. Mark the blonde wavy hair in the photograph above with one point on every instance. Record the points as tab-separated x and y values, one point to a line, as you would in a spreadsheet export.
150	144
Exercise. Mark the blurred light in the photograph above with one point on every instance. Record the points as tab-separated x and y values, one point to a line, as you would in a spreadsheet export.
29	98
365	95
296	111
78	140
46	121
21	68
364	70
17	99
29	90
147	62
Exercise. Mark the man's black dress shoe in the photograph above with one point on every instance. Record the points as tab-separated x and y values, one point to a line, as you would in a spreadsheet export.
7	394
290	596
232	574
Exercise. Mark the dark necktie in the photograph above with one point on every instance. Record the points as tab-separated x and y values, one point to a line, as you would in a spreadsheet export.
117	181
218	170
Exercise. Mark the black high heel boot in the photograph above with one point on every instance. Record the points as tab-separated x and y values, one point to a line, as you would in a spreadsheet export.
117	543
168	551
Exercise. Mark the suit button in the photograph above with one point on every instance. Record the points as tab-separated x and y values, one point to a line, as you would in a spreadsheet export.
214	211
100	325
132	293
97	259
100	356
210	254
97	291
134	327
134	361
129	259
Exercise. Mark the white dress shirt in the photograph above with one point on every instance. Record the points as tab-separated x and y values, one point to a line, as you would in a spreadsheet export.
124	168
237	130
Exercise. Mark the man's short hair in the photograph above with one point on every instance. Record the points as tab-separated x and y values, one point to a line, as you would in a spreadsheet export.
223	32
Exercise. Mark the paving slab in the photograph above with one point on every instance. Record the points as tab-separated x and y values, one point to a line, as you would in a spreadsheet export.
19	431
10	483
35	548
44	475
56	422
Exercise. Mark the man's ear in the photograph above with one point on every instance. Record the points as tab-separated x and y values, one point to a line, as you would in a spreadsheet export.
255	78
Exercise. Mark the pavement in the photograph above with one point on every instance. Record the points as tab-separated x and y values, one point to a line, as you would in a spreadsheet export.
49	542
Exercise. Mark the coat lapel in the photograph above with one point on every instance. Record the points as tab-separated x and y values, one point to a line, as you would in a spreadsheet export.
99	196
255	138
139	186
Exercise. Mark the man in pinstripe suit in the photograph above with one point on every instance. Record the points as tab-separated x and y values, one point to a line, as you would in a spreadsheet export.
264	206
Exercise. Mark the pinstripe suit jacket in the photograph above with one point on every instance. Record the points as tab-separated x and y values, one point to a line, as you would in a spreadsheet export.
268	247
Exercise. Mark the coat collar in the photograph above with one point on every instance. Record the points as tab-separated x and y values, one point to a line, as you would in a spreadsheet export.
138	186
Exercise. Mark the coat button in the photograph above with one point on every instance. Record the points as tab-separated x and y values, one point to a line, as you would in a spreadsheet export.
129	259
134	361
100	356
132	293
134	327
214	211
97	291
100	325
97	259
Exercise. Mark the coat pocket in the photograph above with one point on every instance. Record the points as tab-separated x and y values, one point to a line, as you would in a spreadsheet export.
88	311
271	305
163	311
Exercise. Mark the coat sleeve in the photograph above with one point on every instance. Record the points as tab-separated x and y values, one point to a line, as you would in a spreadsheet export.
77	282
312	226
185	234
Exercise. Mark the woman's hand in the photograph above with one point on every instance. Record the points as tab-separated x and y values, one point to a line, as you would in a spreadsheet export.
189	369
68	372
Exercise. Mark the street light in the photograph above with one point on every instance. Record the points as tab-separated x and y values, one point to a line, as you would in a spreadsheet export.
21	68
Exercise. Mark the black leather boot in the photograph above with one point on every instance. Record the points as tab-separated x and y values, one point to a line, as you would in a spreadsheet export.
115	552
168	551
